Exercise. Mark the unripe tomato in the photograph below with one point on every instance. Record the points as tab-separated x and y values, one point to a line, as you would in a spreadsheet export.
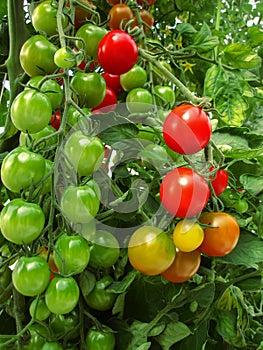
165	96
39	309
188	235
52	345
5	280
134	78
26	139
102	339
119	15
65	58
139	100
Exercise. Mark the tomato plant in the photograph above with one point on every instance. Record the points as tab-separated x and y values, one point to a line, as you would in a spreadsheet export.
65	324
5	280
119	15
37	339
100	339
188	235
134	78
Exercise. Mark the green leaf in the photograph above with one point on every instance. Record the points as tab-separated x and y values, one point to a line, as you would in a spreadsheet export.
123	285
157	330
203	294
185	28
174	332
251	183
197	340
144	346
87	282
255	36
241	56
204	41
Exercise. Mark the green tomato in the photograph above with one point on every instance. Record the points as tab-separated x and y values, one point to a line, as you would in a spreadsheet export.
80	204
50	88
99	298
65	325
165	96
104	251
91	35
139	100
21	222
100	339
37	56
90	88
75	117
22	168
62	295
84	152
52	345
38	335
134	78
31	275
39	309
26	139
65	58
44	18
71	254
5	280
31	111
241	206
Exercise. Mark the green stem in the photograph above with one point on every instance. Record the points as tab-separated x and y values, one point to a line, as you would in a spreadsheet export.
217	24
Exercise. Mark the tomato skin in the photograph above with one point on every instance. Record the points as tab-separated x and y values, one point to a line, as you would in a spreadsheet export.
62	295
100	339
187	129
109	102
21	222
150	250
81	15
90	87
134	78
184	193
38	308
99	298
55	120
64	58
139	100
22	168
92	35
119	15
113	81
220	181
165	96
38	335
146	17
67	324
52	346
37	56
188	235
25	139
71	254
117	52
31	275
184	266
222	239
84	152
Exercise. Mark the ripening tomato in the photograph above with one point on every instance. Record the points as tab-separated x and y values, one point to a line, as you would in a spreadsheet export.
81	14
91	35
146	18
187	129
113	81
117	52
219	182
223	235
184	193
118	16
188	235
150	250
109	102
134	78
184	266
49	257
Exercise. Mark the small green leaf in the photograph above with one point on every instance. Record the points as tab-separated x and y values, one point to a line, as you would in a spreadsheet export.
251	183
123	285
174	332
241	56
255	36
87	282
204	41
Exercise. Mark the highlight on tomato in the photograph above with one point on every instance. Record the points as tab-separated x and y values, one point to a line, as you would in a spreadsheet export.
188	235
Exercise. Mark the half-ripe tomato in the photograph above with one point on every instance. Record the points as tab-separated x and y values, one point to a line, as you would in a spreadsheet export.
184	266
187	129
21	222
119	15
134	78
82	14
113	81
147	2
146	18
223	235
150	250
184	193
109	102
49	257
37	56
188	235
219	182
62	295
31	275
117	52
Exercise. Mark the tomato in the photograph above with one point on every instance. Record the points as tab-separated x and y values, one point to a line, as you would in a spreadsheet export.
241	206
219	182
38	334
184	266
113	81
187	129
117	52
164	96
44	18
81	14
188	235
21	222
62	295
74	116
65	325
113	2
71	254
109	102
31	275
29	140
80	204
134	78
37	56
39	309
184	193
104	250
5	280
90	88
100	339
91	35
55	120
139	100
31	111
147	2
65	58
52	346
146	17
223	235
84	152
119	15
100	298
150	250
50	260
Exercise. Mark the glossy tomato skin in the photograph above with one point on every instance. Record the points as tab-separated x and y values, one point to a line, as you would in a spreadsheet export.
92	35
21	222
113	81
22	168
109	102
37	56
90	87
165	96
65	58
184	193
119	15
52	345
71	254
219	181
150	250
187	129
117	52
100	339
62	295
26	139
38	334
139	100
221	239
184	266
99	298
65	325
31	275
134	78
38	309
55	120
188	235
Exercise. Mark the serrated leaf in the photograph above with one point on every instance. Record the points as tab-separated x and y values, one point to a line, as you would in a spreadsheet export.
233	108
173	333
204	41
241	56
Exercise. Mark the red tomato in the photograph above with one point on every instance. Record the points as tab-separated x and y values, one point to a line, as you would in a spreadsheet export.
184	193
109	102
55	120
187	129
117	52
219	181
113	81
